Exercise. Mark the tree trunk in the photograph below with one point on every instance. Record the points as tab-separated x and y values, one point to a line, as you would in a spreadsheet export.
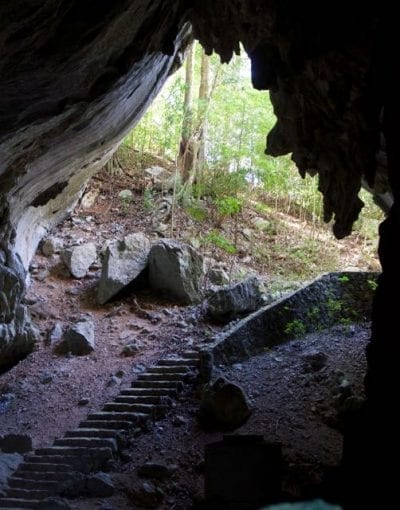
185	157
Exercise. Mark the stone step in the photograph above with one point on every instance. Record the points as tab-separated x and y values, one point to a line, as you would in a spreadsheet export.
150	392
92	432
38	466
119	425
46	460
73	451
142	420
193	355
169	369
134	399
155	411
16	482
186	362
130	408
27	494
178	386
88	442
163	377
47	476
17	503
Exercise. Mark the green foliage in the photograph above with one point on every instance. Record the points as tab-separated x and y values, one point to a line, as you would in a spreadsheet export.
343	279
148	199
372	284
220	241
295	328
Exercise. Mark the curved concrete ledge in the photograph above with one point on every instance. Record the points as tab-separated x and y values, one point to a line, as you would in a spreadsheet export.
333	298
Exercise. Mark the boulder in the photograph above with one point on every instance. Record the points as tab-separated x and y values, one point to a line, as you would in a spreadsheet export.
100	485
51	245
233	300
224	406
156	470
79	338
123	262
16	443
78	259
54	334
176	270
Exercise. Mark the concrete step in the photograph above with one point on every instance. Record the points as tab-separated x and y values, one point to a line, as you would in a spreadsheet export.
142	420
22	483
93	432
27	494
150	392
168	369
44	467
17	503
112	425
186	362
163	377
177	386
88	442
46	476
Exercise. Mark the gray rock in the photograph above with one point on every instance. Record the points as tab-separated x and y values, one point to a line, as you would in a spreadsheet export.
78	259
233	300
176	269
156	470
17	334
218	276
51	245
130	350
8	464
15	443
53	503
148	496
46	378
224	406
54	334
79	338
123	262
100	485
314	361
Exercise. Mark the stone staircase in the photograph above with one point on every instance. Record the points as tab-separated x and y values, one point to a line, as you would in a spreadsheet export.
98	439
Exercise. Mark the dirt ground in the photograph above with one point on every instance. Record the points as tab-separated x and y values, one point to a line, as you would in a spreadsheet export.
293	403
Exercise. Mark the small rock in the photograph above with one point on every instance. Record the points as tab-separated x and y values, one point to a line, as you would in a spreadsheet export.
16	443
218	276
51	245
78	259
46	378
79	339
83	402
125	195
156	470
100	485
113	381
130	350
54	334
148	496
178	421
314	361
42	275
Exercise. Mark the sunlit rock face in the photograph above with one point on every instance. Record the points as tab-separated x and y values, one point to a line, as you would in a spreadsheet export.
75	77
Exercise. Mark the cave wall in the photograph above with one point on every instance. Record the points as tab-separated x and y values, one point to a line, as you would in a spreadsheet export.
75	78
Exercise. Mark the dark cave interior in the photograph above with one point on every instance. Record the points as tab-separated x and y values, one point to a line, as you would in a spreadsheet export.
75	78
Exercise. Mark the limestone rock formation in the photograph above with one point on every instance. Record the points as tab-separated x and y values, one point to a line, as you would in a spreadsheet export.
123	262
176	269
78	259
